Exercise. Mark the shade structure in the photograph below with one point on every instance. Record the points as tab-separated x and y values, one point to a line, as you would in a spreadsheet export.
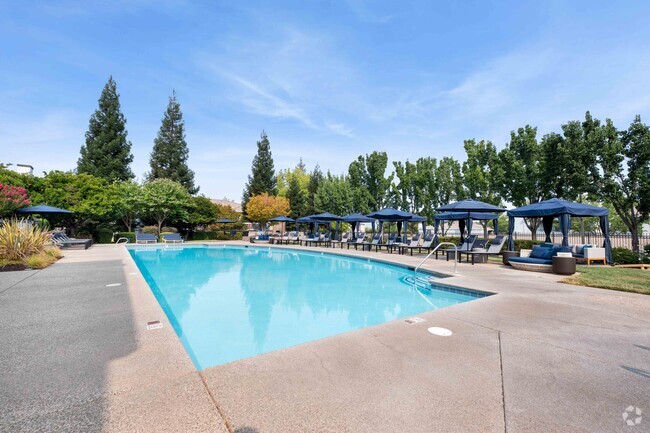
464	221
356	218
390	214
326	216
282	219
470	205
563	210
224	221
43	209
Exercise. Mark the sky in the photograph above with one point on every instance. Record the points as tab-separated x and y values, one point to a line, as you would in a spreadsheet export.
327	80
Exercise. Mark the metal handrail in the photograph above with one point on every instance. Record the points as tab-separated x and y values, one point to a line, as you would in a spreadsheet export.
415	271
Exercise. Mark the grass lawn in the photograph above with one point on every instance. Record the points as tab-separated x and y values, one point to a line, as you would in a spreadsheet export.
607	277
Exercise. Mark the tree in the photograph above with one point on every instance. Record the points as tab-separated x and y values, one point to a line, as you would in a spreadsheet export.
165	199
369	174
284	178
334	195
201	212
263	207
107	152
169	156
449	181
262	178
417	190
521	177
624	159
90	198
297	199
128	202
12	198
314	182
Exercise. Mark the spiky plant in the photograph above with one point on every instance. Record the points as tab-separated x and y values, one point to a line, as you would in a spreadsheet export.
20	239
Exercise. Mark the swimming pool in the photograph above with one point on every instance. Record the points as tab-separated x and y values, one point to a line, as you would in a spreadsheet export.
232	302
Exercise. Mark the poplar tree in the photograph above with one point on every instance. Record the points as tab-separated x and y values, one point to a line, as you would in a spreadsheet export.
169	156
262	178
107	152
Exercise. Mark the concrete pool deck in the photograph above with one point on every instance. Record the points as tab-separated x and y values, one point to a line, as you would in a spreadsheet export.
539	356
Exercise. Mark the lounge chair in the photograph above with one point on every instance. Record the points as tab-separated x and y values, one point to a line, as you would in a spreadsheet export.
389	243
172	238
359	240
325	240
344	238
427	244
376	239
293	238
493	250
61	240
539	259
467	245
145	238
312	239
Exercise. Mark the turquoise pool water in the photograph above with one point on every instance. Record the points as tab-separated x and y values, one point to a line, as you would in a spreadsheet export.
229	303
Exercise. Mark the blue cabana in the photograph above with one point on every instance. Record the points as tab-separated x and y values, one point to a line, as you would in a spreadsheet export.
469	206
463	221
548	210
395	215
355	218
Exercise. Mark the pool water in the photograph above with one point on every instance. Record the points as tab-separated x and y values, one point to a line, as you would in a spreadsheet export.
229	303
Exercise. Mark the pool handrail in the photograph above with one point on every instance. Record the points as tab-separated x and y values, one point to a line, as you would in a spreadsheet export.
415	271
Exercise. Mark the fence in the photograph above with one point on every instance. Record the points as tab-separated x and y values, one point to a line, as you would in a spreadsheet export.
618	240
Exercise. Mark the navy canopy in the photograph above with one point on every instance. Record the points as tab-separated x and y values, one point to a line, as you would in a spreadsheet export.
454	216
563	210
43	209
470	205
357	218
326	216
390	214
282	219
224	221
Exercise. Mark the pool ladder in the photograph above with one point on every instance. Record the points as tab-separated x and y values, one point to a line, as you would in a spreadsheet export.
415	271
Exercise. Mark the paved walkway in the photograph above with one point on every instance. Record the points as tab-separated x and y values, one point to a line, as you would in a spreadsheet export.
539	356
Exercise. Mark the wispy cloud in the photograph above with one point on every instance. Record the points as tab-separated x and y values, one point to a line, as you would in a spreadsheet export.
340	128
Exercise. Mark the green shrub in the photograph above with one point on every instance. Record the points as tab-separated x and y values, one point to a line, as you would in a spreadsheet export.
19	239
216	236
104	236
129	235
623	256
168	230
525	244
40	260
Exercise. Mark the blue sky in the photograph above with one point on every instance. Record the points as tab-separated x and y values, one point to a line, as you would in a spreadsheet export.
327	80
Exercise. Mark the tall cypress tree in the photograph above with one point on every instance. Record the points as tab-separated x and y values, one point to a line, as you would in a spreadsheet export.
169	156
315	180
297	199
262	177
107	152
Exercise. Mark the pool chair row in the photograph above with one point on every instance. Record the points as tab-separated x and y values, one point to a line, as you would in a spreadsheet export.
167	238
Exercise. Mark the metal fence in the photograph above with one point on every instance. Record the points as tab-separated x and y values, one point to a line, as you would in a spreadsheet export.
618	240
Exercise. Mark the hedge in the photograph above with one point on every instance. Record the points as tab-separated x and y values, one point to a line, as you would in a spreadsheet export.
216	236
129	235
104	236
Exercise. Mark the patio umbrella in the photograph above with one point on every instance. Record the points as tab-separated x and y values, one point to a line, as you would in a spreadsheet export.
224	221
283	219
43	209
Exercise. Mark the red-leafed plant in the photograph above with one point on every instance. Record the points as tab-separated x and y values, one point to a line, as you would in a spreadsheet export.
12	198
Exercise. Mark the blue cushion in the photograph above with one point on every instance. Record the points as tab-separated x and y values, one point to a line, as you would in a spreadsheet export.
561	250
530	260
547	245
540	252
581	249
